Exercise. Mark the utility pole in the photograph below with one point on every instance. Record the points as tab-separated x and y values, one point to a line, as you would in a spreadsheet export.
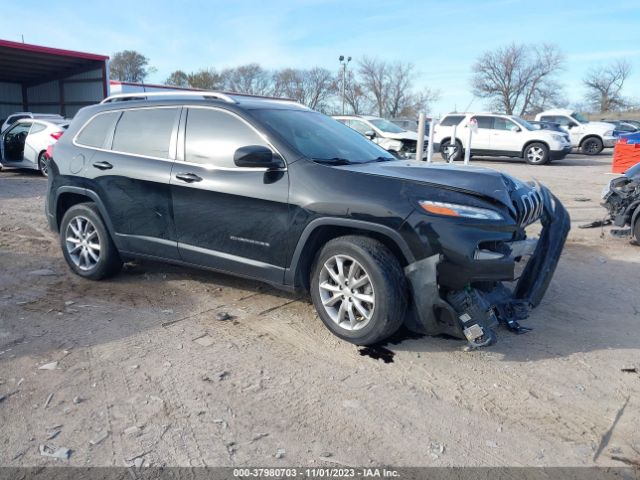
344	63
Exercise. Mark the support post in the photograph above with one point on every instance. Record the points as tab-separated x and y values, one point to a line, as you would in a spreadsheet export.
420	144
467	151
452	143
430	145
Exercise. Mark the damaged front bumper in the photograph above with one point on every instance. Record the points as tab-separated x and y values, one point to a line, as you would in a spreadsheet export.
472	311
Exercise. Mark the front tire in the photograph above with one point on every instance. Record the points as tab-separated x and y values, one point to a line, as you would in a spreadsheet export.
86	244
457	153
592	146
358	289
43	164
536	154
636	230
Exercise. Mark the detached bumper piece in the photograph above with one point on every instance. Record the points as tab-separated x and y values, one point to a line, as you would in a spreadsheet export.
472	312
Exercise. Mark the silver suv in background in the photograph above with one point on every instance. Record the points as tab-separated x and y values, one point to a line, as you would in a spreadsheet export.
499	135
14	117
393	138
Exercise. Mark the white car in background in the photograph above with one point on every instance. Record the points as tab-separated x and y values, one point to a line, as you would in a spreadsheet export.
393	138
498	135
24	144
590	137
14	117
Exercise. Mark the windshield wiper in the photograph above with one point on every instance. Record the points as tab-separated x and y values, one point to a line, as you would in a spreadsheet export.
333	161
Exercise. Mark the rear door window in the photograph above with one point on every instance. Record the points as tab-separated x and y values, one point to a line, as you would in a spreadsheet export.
484	121
213	136
146	131
96	132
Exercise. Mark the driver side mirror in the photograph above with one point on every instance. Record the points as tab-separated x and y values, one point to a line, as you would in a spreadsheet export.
517	129
370	134
257	156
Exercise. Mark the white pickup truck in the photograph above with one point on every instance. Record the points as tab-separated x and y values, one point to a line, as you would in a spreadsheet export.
589	137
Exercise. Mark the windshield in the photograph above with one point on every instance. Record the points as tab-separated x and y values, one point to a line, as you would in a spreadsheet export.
579	117
321	138
387	126
524	123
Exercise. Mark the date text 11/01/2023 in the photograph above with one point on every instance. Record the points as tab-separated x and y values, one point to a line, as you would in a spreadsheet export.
315	472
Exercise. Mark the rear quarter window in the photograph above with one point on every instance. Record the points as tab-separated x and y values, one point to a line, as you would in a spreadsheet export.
95	133
451	120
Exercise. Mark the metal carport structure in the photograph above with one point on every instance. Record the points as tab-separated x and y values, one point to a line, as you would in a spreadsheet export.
41	79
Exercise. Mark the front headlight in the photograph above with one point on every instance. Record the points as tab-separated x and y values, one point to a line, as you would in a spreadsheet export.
608	133
558	138
456	210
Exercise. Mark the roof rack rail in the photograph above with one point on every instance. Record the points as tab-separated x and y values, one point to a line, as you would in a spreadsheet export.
123	97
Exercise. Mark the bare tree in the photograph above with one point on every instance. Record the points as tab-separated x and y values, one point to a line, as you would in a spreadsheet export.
251	79
516	77
178	79
374	78
355	96
129	66
604	86
389	87
312	87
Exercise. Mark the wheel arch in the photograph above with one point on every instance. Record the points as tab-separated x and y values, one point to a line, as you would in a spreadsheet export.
320	231
67	197
588	136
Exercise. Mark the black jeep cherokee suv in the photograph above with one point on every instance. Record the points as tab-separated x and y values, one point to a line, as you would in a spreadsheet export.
271	190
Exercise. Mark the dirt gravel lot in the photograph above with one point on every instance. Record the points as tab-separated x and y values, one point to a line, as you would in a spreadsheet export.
145	370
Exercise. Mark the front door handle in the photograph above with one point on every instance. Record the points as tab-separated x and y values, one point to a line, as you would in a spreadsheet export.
188	177
103	165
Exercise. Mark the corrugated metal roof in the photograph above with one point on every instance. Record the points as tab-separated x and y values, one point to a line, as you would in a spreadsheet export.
25	63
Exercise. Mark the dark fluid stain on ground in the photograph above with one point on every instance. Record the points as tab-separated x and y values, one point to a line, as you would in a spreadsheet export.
379	351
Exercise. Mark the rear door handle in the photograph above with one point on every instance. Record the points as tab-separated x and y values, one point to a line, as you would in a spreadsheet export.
188	177
103	165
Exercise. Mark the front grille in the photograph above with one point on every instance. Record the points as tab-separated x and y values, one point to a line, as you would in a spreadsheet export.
409	146
529	205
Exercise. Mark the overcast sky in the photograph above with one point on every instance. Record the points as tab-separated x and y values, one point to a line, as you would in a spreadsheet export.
442	38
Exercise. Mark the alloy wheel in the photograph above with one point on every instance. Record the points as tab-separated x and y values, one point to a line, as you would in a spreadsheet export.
83	243
43	164
535	154
591	146
347	292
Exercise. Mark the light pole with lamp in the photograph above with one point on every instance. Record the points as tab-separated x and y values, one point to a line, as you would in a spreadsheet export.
344	64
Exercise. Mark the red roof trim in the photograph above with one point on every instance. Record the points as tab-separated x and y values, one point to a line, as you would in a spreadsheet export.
154	85
51	51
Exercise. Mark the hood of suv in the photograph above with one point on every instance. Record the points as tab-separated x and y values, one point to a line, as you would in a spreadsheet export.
597	127
402	136
473	180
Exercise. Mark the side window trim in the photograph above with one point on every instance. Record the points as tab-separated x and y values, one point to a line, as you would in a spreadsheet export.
182	144
108	141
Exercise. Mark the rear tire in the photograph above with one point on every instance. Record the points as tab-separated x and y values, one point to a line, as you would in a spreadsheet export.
591	146
636	230
43	164
86	244
458	153
359	289
536	154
